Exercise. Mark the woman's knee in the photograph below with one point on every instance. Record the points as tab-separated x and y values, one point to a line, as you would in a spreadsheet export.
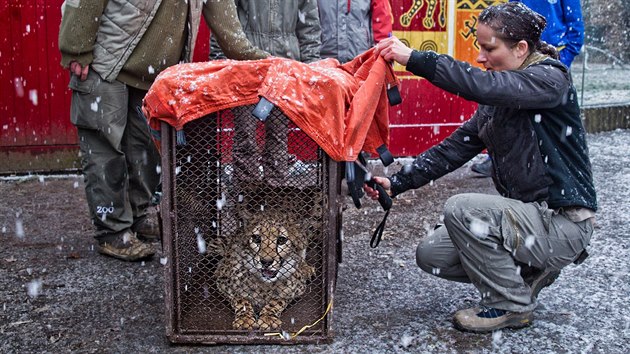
454	206
428	251
422	256
424	260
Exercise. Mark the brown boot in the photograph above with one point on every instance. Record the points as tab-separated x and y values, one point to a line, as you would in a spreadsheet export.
148	230
483	319
126	246
540	280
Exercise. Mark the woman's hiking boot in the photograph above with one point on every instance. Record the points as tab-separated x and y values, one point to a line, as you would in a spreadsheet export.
481	319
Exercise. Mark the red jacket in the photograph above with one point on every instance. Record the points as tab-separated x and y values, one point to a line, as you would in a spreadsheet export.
343	108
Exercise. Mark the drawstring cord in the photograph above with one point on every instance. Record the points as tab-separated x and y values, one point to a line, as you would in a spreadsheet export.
293	335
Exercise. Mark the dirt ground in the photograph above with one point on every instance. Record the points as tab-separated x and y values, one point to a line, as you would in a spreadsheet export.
59	295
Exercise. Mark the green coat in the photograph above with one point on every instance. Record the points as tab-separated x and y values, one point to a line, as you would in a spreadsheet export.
107	43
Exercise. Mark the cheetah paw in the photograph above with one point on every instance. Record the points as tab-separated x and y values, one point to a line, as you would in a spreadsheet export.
245	322
269	322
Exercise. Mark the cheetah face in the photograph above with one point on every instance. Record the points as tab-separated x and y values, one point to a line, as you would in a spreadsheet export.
272	250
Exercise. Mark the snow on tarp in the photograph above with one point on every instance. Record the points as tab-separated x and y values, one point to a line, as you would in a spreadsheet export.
343	108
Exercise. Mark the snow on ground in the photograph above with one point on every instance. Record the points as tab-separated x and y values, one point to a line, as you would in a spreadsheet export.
385	304
60	296
602	84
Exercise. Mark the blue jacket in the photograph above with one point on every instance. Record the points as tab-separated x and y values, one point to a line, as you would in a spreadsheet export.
565	27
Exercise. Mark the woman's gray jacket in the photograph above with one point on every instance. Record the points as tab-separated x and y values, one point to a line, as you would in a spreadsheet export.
287	29
529	120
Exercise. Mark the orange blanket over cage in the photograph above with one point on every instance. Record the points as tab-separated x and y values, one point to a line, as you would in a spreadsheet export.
343	108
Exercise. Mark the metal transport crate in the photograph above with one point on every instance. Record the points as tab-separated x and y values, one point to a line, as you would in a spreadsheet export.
251	215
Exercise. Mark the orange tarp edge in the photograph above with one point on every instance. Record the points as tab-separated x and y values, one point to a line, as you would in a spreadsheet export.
343	108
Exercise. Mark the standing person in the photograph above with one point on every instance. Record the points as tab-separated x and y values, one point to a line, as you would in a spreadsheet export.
564	30
288	29
349	27
114	49
565	27
510	246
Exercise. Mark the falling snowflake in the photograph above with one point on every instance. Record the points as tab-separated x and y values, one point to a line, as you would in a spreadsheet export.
34	287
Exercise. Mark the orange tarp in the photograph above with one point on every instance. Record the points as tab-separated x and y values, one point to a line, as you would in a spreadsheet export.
343	108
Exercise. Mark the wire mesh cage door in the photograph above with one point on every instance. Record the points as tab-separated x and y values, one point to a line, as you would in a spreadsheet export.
251	217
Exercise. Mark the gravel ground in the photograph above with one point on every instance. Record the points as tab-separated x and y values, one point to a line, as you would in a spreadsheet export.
59	295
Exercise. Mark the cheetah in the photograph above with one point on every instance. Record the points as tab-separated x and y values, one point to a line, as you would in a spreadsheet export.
263	268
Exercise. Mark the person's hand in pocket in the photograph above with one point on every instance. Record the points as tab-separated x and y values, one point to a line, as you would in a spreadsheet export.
79	70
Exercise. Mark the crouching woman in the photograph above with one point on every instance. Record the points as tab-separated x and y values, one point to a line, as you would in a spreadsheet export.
513	245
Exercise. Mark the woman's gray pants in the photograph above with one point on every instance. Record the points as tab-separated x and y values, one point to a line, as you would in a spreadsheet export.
486	237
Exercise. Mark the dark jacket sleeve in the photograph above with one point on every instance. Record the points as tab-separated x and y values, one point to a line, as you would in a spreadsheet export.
536	87
77	33
447	156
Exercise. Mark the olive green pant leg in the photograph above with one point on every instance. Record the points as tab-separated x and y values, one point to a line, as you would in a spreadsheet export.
117	175
436	254
141	156
275	155
245	151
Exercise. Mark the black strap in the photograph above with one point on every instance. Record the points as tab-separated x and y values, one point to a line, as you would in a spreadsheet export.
378	233
262	109
385	155
580	259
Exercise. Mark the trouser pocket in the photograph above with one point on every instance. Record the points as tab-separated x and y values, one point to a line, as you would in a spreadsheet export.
96	103
525	229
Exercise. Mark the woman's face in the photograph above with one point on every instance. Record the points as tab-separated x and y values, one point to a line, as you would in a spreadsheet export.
495	54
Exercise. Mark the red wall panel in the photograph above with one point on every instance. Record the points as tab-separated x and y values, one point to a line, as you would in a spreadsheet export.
425	117
35	100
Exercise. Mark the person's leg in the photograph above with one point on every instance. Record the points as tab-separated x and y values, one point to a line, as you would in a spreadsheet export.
483	228
565	242
492	234
245	147
142	160
437	255
275	156
99	111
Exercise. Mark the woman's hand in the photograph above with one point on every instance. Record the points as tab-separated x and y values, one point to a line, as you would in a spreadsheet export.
373	193
393	49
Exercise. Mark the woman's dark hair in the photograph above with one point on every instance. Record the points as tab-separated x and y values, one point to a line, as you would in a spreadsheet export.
514	22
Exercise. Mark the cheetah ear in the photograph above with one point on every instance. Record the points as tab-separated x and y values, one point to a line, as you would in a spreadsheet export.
310	211
301	231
